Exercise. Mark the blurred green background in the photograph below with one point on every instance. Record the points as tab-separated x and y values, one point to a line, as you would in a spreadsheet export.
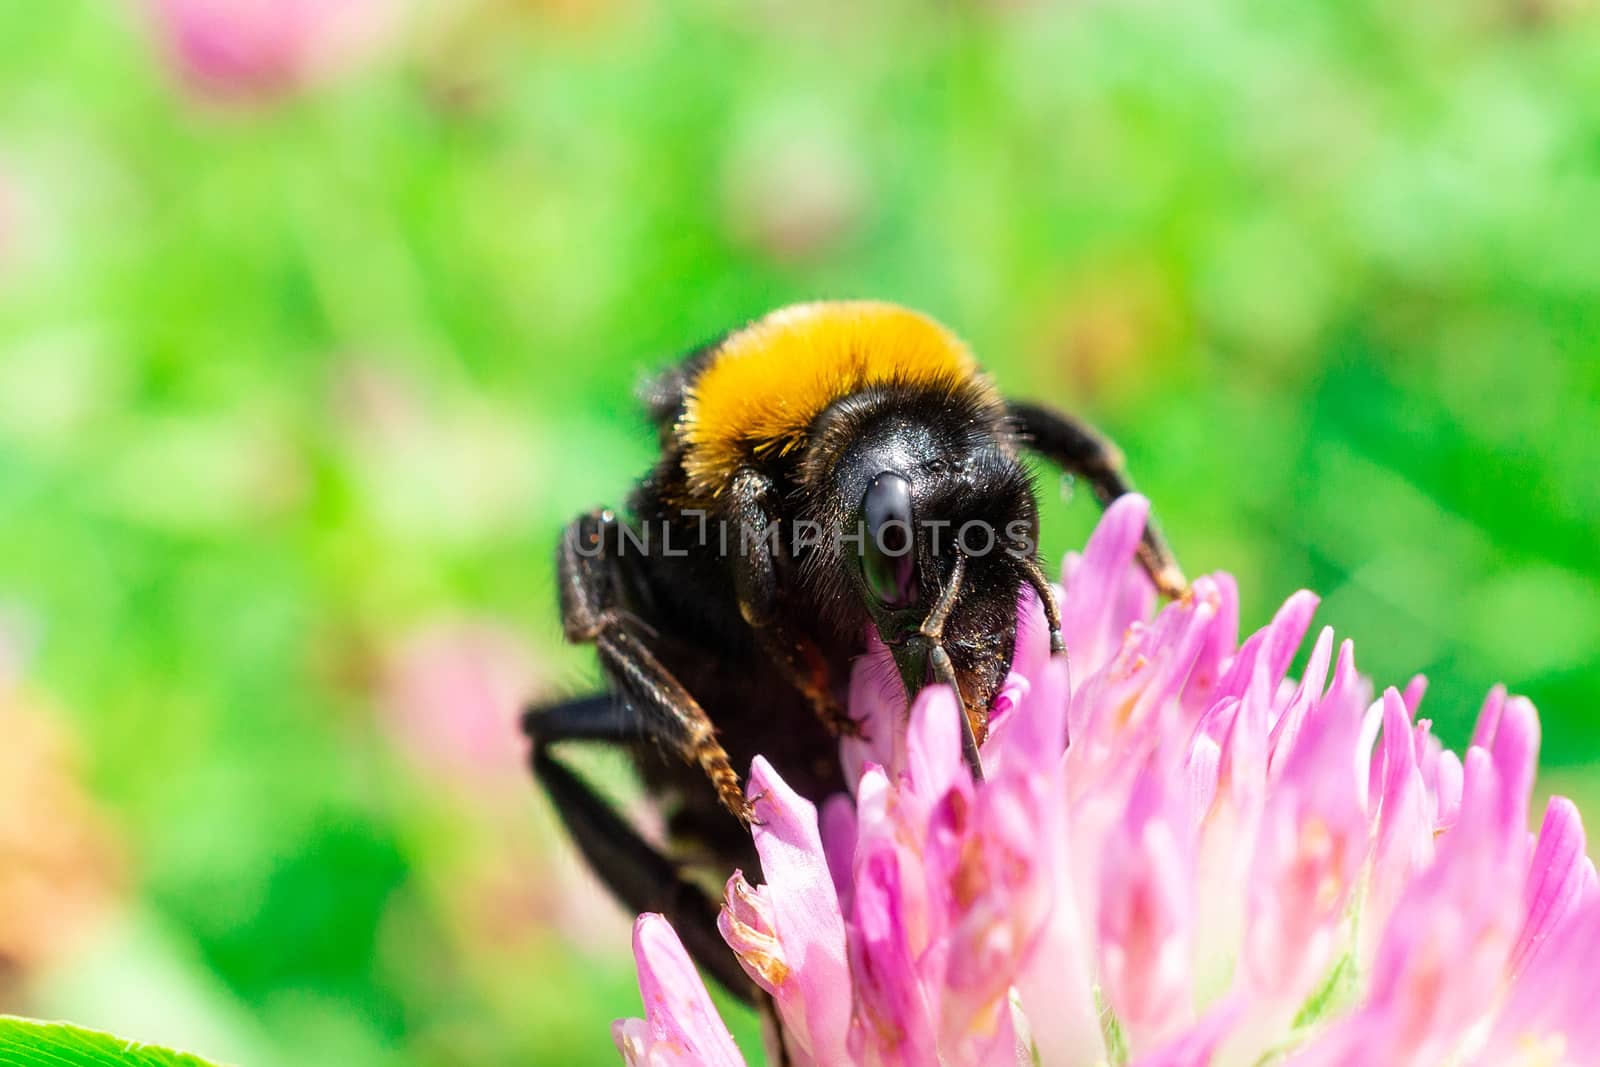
317	321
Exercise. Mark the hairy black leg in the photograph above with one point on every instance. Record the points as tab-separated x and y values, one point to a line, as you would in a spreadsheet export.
589	571
1079	448
756	585
1047	597
641	877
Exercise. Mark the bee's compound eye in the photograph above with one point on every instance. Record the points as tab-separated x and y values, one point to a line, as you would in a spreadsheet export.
888	550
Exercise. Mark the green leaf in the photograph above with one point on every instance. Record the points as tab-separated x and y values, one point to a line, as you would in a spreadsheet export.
1111	1030
26	1043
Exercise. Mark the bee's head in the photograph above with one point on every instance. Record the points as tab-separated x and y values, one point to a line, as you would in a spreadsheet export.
911	493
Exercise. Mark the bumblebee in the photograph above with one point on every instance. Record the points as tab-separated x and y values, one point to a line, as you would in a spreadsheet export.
829	471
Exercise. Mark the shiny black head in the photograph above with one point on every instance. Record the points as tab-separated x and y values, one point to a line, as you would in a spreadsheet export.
903	482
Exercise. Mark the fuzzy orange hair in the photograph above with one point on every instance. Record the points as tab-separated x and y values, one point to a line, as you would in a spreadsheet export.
768	382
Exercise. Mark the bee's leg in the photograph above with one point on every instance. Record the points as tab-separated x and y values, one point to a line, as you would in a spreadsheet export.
756	585
641	877
1047	598
588	570
944	670
1080	449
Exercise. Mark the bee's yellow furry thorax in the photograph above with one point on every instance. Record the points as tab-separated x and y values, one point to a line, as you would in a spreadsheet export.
769	381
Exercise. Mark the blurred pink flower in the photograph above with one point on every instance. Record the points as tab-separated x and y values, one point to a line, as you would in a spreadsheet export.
260	50
1224	866
451	694
448	697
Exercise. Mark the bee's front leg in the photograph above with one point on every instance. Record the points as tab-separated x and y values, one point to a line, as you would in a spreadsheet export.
589	571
